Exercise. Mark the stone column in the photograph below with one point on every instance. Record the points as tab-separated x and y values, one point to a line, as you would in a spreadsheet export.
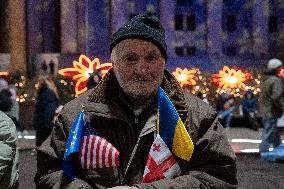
69	27
34	26
82	37
4	35
17	35
119	14
97	28
50	23
260	27
167	17
214	27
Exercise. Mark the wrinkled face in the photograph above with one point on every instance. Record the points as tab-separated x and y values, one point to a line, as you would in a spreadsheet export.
139	68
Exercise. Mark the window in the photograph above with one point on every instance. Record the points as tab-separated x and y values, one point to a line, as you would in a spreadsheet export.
191	22
182	2
228	3
247	22
231	51
272	24
179	51
179	22
190	51
231	23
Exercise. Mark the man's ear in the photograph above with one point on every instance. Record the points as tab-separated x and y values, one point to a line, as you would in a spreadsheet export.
113	55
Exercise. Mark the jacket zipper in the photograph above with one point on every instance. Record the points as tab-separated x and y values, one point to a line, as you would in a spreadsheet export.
136	120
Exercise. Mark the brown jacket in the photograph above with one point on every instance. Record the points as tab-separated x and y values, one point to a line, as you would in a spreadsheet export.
212	164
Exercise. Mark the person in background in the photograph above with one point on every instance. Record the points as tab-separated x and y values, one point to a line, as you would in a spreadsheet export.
200	95
226	107
94	79
13	113
46	105
121	117
3	84
249	109
9	154
273	104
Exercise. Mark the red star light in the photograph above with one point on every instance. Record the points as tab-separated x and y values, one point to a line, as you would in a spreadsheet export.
81	72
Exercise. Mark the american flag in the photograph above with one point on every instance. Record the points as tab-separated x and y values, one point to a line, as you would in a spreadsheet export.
96	152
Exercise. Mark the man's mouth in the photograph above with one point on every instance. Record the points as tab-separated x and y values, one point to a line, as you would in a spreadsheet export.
135	80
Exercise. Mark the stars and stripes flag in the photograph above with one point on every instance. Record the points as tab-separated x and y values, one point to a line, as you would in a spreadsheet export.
94	151
161	162
97	152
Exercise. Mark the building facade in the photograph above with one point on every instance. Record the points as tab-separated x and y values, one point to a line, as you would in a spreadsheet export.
199	33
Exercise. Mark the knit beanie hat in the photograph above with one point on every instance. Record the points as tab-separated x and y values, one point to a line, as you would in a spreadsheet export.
143	26
274	64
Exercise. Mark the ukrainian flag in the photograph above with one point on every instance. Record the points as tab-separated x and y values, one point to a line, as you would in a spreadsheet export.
171	128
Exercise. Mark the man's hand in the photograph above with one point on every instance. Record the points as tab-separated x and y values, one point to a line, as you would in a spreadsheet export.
124	187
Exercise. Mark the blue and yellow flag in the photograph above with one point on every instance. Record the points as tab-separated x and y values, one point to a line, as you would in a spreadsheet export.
171	128
73	145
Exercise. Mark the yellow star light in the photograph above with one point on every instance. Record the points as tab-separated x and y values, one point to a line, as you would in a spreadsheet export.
185	76
230	78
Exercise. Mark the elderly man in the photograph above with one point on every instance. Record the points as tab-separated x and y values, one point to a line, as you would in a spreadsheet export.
123	110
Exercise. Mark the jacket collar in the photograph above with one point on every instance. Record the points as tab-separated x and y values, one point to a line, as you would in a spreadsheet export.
108	103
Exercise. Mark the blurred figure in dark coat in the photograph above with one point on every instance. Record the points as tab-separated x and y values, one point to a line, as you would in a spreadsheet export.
46	104
249	109
226	107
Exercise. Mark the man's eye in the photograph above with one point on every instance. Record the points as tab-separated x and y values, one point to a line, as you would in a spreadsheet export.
151	58
131	58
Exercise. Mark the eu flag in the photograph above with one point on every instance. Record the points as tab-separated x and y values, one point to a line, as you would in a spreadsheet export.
172	129
73	146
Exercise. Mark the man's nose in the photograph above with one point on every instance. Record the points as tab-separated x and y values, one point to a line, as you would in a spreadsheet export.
142	67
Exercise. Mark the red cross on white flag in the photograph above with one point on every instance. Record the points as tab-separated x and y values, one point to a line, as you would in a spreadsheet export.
161	162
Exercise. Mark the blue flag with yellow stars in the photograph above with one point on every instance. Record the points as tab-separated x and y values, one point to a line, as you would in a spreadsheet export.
73	146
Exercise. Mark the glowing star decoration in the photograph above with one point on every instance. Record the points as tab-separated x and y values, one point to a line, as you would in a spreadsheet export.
82	70
230	78
185	76
4	73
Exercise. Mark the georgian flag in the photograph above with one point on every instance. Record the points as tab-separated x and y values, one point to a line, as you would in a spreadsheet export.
97	152
161	162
